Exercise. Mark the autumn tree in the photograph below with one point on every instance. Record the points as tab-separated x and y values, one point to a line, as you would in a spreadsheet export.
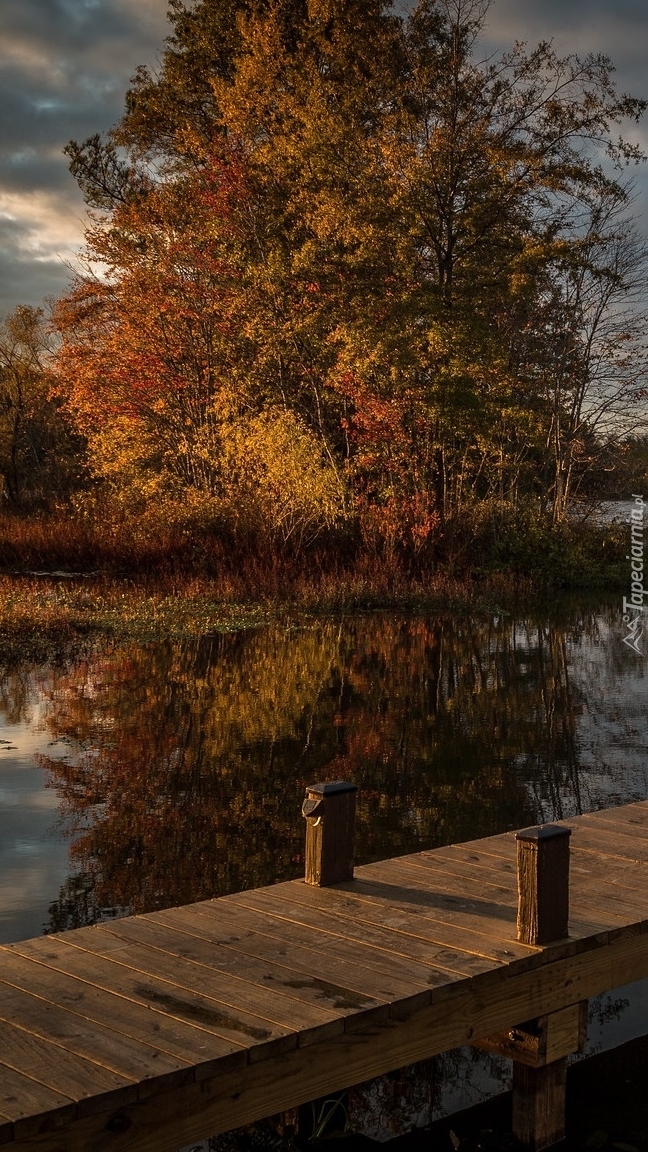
322	210
586	350
39	455
493	166
170	334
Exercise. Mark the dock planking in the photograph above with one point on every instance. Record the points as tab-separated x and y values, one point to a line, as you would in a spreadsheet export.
146	1033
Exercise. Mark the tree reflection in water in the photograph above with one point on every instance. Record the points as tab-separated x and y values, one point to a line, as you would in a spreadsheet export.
189	758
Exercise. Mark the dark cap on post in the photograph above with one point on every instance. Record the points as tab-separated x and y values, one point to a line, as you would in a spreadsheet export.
543	883
543	832
329	809
332	787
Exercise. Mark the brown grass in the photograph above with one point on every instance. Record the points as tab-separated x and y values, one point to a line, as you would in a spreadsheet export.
244	569
65	582
67	579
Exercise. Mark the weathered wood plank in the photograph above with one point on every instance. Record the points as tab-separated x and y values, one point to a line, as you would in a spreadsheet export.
32	1107
79	1015
471	853
296	1077
490	905
353	966
502	846
618	872
132	1060
615	902
335	913
392	929
455	920
265	937
90	1085
297	984
209	1016
630	820
422	875
272	1008
489	871
613	844
172	1038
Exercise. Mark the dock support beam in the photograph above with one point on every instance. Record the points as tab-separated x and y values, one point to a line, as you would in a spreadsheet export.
539	1097
330	832
539	1050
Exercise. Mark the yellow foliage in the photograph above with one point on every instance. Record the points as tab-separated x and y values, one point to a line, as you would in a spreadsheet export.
276	479
267	473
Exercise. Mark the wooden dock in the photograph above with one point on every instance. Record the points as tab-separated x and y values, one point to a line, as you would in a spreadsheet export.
150	1032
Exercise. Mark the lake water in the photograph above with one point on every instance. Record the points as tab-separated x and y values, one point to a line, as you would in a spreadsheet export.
143	776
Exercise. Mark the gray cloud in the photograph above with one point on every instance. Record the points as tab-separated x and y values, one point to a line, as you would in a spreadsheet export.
27	276
64	69
65	66
618	30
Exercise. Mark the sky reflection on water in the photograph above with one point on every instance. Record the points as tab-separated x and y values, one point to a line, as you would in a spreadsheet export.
34	857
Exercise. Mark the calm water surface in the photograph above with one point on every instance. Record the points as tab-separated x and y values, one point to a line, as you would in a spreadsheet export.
144	776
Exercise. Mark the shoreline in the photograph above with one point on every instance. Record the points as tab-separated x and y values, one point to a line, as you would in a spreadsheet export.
42	616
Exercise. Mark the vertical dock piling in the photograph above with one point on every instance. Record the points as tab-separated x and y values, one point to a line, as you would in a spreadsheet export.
543	914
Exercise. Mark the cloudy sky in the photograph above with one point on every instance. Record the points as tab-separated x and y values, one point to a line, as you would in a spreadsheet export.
65	65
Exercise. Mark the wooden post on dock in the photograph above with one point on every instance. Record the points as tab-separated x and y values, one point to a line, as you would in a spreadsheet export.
543	913
330	832
330	811
543	883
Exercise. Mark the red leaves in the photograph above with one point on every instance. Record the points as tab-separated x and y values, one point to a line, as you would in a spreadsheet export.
164	326
392	437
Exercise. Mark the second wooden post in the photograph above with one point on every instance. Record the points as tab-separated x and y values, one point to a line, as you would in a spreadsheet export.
543	883
539	1047
543	916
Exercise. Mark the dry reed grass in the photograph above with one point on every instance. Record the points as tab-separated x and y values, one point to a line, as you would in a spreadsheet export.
65	578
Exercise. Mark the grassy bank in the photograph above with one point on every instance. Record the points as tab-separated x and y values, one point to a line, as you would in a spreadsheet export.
62	581
41	615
